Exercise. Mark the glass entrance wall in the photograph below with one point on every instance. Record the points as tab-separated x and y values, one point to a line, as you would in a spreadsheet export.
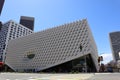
76	65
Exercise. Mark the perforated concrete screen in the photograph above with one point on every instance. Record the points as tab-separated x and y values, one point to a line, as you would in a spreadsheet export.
52	47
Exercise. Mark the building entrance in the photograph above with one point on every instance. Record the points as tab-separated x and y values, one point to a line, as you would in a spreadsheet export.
81	64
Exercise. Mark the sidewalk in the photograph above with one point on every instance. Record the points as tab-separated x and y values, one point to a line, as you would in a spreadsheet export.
106	76
45	76
67	77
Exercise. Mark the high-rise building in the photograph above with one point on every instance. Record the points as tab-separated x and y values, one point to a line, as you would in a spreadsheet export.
1	5
11	30
27	21
0	25
115	44
61	49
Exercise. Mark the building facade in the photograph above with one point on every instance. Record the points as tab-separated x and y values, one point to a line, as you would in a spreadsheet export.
61	49
0	25
27	21
1	5
115	44
11	30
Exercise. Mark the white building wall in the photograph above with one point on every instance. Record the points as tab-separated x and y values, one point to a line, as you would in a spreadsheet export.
52	47
11	30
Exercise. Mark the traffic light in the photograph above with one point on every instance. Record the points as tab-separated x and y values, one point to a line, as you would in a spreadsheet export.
101	58
98	59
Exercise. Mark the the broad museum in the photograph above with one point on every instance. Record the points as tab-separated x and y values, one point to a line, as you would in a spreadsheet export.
65	48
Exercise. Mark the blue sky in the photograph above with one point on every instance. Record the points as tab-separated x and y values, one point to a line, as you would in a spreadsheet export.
103	15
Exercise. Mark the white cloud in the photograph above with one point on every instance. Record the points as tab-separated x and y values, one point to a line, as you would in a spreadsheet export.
107	57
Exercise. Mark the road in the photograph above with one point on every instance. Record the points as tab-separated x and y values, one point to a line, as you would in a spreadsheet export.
39	76
106	76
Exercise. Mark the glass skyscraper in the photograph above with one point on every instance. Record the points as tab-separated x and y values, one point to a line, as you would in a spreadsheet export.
27	22
115	44
1	5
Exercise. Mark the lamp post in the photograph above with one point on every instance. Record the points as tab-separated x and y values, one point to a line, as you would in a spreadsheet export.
100	59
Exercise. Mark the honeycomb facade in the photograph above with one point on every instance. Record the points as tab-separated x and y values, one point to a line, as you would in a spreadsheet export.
52	47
